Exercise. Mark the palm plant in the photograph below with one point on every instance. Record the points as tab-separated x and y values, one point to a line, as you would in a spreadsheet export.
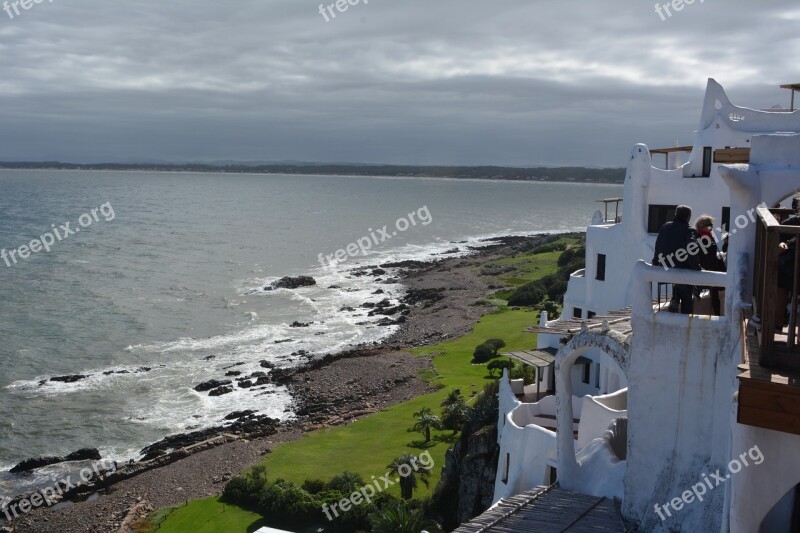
426	421
454	414
453	397
408	471
397	518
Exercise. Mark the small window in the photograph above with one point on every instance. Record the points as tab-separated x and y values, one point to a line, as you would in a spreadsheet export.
726	218
577	312
591	314
597	375
587	373
658	215
601	267
553	475
707	157
505	471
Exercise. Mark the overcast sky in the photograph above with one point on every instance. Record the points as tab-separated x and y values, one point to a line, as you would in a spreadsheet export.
520	83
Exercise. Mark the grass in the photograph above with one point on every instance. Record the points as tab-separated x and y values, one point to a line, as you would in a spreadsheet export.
210	516
368	445
530	266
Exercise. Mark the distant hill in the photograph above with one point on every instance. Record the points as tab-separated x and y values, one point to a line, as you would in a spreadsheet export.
577	174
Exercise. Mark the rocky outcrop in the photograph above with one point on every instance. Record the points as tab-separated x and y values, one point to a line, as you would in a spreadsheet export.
289	282
467	485
211	384
85	454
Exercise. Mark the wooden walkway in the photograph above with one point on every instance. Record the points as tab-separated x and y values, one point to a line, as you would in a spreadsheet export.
549	510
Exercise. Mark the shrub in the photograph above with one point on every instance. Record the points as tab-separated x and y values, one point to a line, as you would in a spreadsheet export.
483	352
496	344
551	307
531	293
314	486
499	364
346	482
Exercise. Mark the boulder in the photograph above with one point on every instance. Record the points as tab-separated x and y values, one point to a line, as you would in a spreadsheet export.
211	384
219	391
289	282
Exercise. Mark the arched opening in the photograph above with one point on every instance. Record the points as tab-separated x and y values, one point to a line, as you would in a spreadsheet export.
616	348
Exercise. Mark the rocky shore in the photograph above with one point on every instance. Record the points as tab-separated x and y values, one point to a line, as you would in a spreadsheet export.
443	301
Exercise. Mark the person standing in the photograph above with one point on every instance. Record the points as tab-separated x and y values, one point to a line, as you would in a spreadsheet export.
709	257
671	251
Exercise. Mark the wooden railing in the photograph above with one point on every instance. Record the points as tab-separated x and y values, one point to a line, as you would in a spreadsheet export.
776	349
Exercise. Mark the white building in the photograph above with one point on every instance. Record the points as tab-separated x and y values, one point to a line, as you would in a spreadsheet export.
691	421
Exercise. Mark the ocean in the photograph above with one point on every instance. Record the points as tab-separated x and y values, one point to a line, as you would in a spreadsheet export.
156	285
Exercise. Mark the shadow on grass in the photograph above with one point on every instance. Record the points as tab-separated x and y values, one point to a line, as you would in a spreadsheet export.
422	445
449	438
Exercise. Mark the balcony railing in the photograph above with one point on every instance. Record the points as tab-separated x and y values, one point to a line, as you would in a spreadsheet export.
777	346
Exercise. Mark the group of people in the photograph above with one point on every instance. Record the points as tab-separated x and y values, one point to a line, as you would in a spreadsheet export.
681	245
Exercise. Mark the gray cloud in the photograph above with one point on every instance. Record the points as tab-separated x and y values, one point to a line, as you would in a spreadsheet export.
411	81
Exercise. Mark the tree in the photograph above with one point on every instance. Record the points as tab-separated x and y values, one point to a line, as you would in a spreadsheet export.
453	397
483	352
499	364
496	344
397	518
426	421
408	469
453	415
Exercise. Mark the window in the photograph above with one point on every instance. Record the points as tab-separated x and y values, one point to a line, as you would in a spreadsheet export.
658	215
601	267
553	475
577	312
587	373
591	314
505	471
726	218
707	155
597	375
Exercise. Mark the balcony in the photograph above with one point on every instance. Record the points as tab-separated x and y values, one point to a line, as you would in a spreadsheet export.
769	385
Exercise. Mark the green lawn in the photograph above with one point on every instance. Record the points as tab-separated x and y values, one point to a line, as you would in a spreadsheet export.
368	445
210	516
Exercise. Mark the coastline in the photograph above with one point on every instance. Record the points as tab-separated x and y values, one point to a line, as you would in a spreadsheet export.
445	300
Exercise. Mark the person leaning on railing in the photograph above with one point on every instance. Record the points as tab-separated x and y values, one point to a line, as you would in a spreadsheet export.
675	237
708	257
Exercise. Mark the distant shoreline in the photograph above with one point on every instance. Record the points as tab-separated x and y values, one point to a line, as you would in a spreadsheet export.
614	176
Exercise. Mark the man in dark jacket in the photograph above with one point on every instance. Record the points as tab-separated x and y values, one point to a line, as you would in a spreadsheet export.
676	248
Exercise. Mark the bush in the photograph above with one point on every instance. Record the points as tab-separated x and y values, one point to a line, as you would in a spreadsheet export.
314	486
496	344
531	293
525	373
346	482
483	352
569	256
499	364
551	307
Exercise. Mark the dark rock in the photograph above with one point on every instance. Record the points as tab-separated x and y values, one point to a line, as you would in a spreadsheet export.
377	272
210	357
84	454
236	415
232	373
368	305
211	384
289	282
267	364
297	324
219	391
35	462
425	296
69	379
282	375
406	264
281	341
246	384
379	291
346	309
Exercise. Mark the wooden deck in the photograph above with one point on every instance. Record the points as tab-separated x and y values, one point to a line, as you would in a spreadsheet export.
769	398
548	510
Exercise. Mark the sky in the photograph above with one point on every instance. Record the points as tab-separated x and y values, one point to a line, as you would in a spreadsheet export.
450	82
